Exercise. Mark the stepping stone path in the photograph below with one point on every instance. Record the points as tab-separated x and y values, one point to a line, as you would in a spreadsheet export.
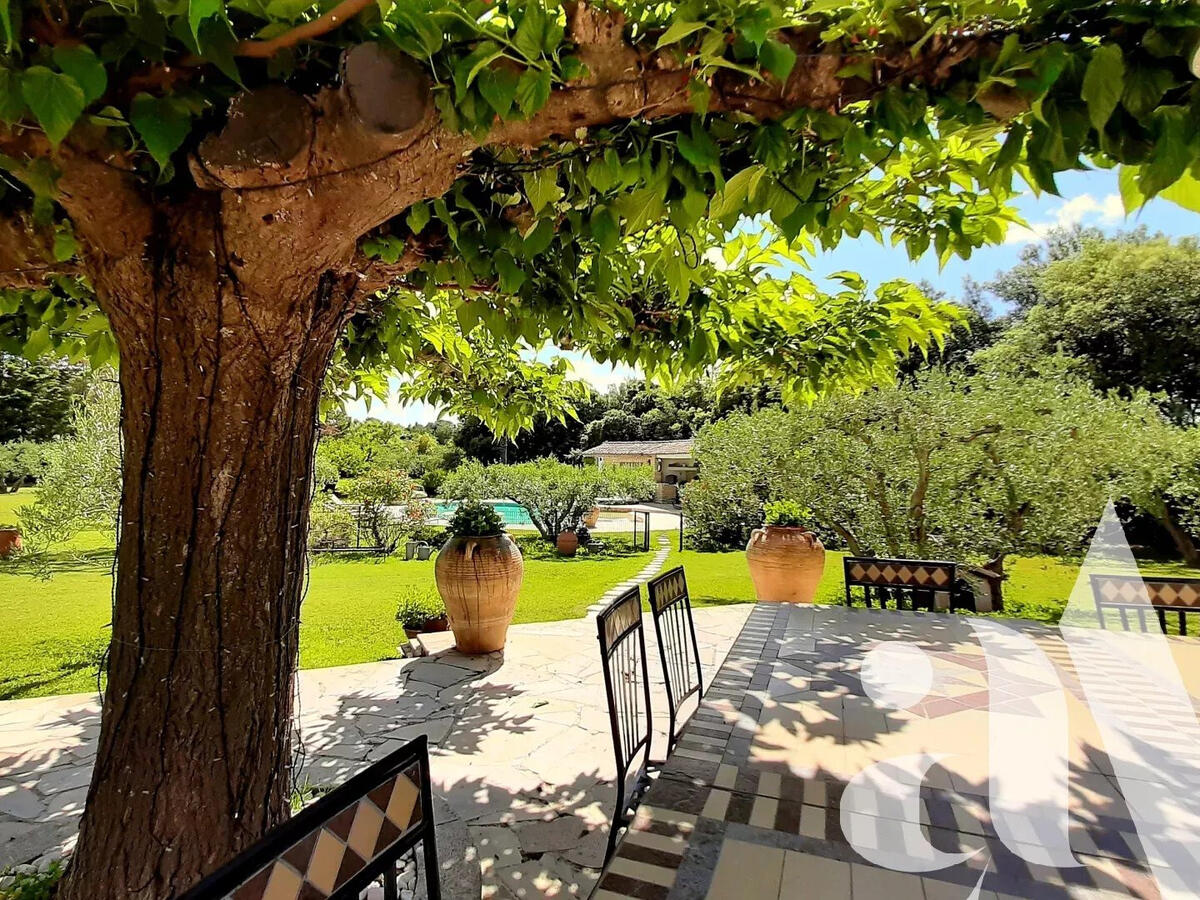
652	568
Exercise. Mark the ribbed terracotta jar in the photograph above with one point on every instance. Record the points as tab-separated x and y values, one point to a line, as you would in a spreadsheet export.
567	543
10	542
479	578
786	564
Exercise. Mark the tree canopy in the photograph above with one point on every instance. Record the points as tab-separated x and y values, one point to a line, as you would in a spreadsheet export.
1128	310
551	137
242	199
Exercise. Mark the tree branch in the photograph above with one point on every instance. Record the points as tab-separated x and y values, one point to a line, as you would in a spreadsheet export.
26	257
336	17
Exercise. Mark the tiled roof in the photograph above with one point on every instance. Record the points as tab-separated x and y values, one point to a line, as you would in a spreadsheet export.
641	448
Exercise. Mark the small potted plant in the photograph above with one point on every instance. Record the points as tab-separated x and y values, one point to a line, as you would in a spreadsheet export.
421	612
10	540
479	571
786	559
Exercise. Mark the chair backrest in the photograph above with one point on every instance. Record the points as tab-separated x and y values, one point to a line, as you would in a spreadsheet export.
626	683
913	574
1133	593
678	648
338	845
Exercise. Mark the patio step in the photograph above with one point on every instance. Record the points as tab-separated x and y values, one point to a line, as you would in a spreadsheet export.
652	568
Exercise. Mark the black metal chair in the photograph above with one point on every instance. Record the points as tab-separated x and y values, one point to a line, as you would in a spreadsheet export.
338	846
671	607
1132	593
627	687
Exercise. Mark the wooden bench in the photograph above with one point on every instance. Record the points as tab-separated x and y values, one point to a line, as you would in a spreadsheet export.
924	583
1132	593
338	846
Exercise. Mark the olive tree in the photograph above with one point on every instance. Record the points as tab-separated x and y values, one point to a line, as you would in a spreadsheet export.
239	200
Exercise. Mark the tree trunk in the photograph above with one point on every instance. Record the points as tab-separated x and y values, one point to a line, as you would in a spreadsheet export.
1183	541
220	386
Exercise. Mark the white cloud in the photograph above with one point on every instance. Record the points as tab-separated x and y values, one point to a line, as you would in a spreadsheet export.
1082	210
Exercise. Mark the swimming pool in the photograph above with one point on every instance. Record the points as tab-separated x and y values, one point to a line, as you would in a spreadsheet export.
510	513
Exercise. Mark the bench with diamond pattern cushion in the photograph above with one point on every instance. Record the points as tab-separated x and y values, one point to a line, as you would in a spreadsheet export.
924	583
335	848
1132	593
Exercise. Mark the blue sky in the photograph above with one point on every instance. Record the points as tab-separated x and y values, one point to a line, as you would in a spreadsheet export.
1088	198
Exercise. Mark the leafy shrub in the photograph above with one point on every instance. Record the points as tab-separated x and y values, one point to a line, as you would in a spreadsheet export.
432	480
417	606
388	508
474	519
29	885
786	514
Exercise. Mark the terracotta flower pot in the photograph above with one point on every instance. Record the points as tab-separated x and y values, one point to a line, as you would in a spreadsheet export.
786	564
592	517
430	626
567	543
479	578
10	541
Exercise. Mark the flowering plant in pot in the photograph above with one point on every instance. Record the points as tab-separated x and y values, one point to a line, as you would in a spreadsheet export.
421	612
479	571
786	559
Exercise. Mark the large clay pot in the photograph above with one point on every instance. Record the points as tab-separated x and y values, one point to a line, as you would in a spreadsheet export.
592	517
10	542
786	564
478	578
567	543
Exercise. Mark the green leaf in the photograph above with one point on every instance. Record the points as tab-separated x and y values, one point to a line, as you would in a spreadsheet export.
162	123
418	217
604	229
85	67
511	275
470	65
199	10
777	58
499	87
700	149
12	107
1103	83
1172	155
678	31
1131	195
1010	150
1185	192
528	39
57	101
65	246
6	24
640	208
533	90
541	187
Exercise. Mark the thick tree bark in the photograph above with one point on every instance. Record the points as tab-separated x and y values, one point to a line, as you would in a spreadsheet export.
220	390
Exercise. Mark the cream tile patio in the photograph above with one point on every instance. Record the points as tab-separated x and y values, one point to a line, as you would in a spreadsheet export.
520	743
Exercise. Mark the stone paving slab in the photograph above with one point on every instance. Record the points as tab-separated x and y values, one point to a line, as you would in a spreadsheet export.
521	752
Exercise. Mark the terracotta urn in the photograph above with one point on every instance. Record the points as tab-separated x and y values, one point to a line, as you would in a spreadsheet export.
592	517
10	541
478	579
567	543
786	564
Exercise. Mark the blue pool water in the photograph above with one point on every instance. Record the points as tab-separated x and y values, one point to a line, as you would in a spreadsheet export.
510	513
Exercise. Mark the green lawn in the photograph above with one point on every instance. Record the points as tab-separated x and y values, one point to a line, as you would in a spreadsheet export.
54	631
